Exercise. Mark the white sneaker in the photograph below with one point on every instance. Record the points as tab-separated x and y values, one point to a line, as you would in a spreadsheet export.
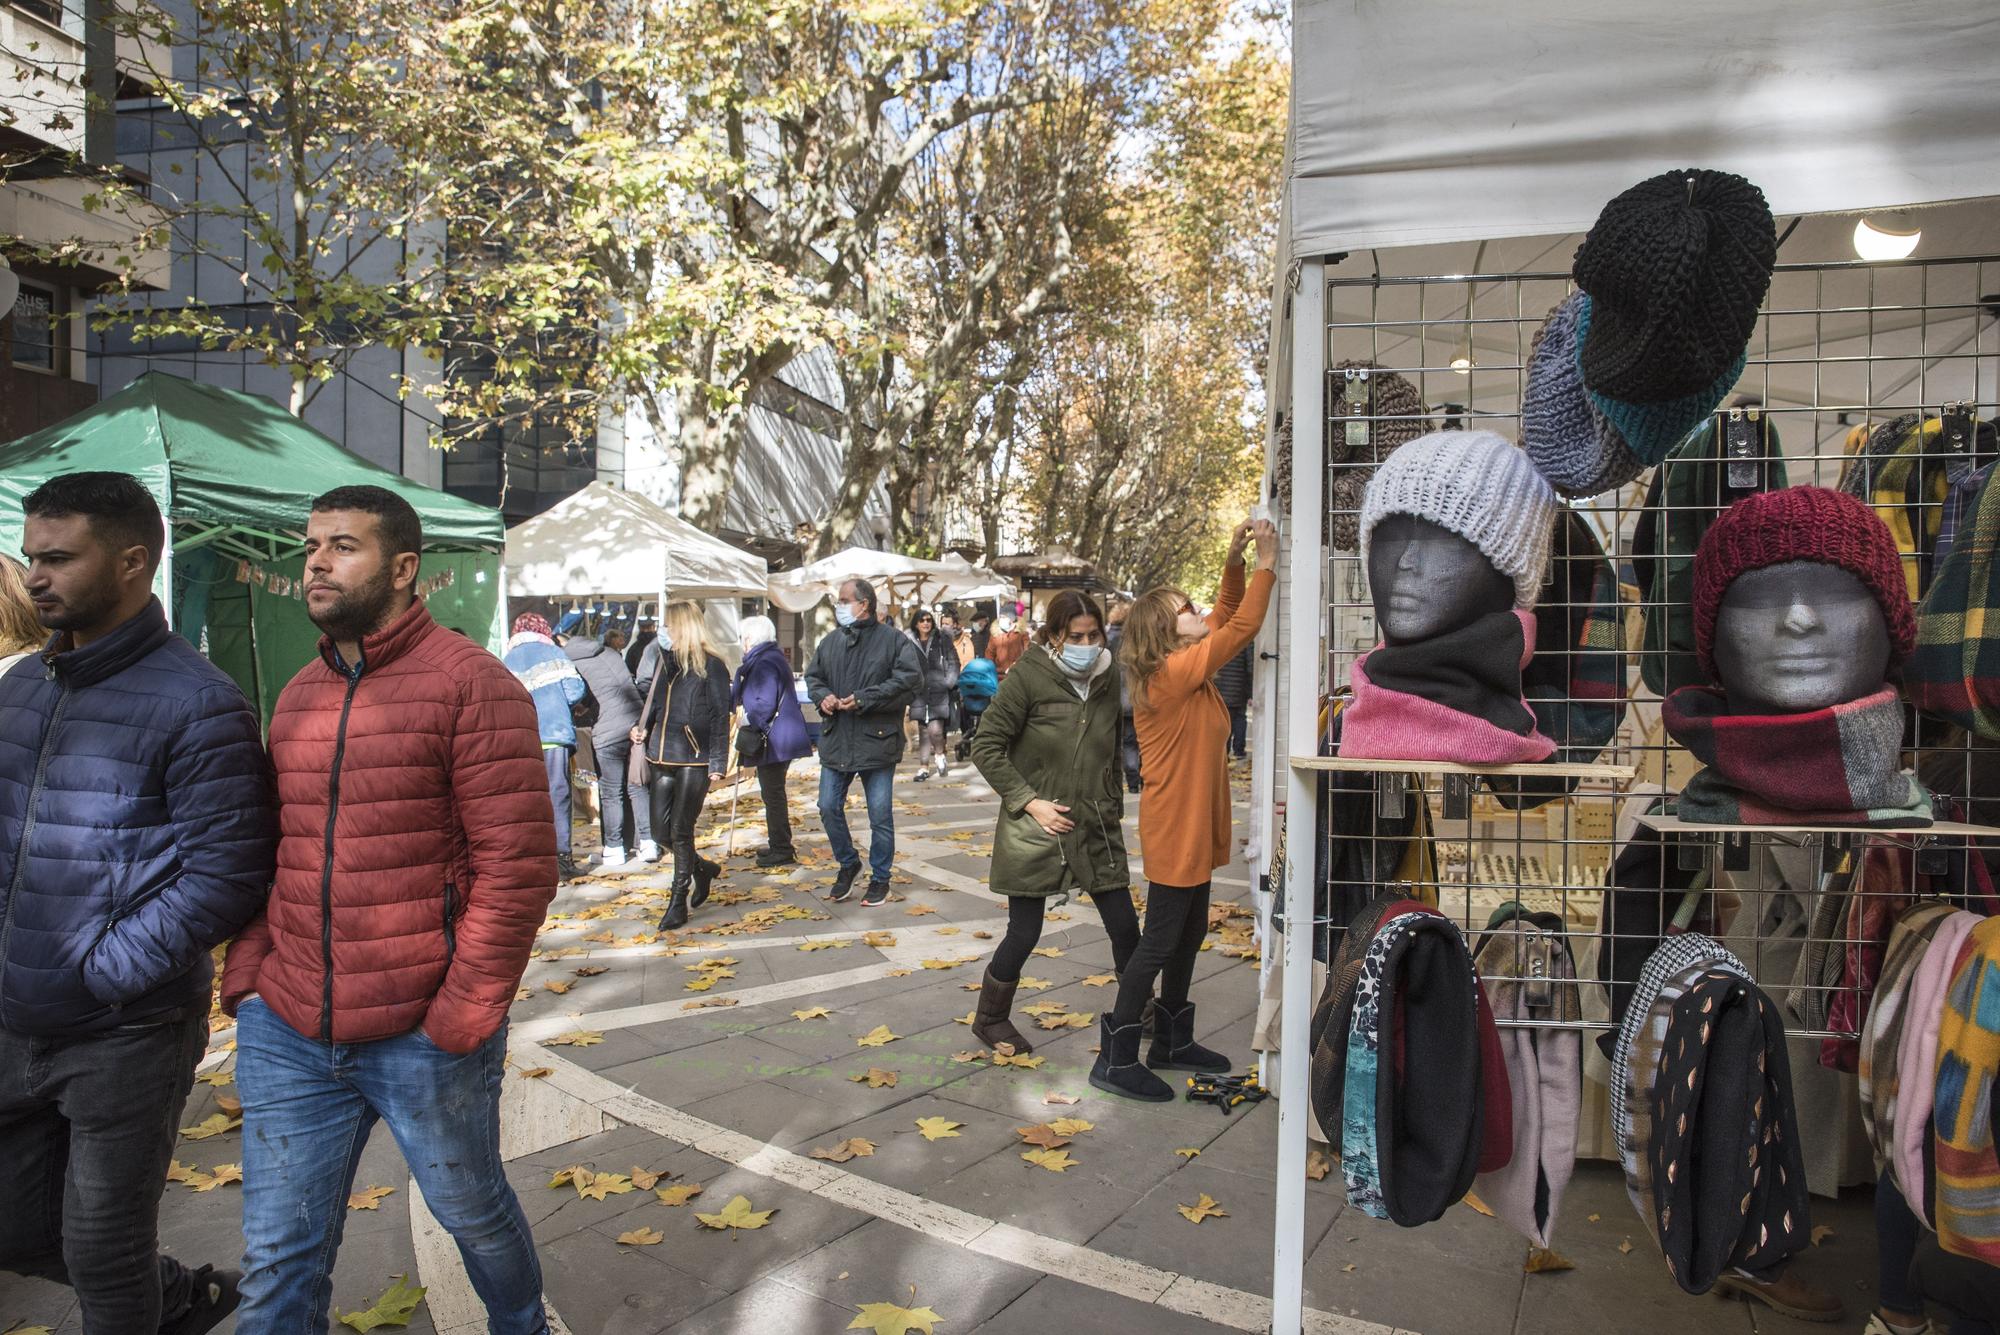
611	857
648	851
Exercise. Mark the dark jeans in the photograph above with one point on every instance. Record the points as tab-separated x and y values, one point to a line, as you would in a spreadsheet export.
1898	1235
1176	921
307	1110
618	808
777	807
86	1134
879	787
1024	931
555	759
1128	745
1239	730
678	793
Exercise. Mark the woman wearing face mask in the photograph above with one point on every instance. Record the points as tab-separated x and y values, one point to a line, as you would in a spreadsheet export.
1171	654
773	733
1048	744
684	727
932	708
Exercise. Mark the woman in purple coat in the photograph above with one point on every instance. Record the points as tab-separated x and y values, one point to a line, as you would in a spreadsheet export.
763	689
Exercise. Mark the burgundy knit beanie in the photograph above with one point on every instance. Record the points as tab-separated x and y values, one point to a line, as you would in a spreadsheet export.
1801	524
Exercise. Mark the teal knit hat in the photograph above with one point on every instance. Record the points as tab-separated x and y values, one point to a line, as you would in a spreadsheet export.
1651	430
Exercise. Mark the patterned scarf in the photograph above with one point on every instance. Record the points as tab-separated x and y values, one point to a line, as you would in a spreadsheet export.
1835	766
1968	1172
1882	1030
1455	696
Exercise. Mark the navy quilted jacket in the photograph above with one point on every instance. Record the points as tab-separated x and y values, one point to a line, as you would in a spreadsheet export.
138	830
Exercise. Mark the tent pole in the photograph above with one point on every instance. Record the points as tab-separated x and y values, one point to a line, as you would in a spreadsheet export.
1305	611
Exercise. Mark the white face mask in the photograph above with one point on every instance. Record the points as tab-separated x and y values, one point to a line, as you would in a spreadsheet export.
844	613
1080	658
666	643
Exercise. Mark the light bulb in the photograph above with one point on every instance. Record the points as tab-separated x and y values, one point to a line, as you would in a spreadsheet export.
1887	236
1462	365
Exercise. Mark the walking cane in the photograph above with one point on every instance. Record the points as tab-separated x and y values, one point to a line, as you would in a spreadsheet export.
729	847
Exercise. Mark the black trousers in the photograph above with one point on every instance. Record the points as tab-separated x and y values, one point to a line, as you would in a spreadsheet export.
678	792
1024	931
1128	747
777	809
1176	921
86	1134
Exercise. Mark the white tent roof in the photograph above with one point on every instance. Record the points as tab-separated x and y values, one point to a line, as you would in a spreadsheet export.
606	542
901	580
1433	120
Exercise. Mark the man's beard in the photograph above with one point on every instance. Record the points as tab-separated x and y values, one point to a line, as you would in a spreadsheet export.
90	608
357	613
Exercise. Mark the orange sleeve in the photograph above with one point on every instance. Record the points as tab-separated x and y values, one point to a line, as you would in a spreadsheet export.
1186	669
1228	597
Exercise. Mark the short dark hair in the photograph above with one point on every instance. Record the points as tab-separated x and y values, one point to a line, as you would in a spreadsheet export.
1066	607
120	509
402	531
864	591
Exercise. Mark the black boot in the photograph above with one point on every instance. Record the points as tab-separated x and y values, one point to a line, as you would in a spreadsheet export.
1174	1048
1118	1071
776	857
565	868
676	915
705	873
991	1024
214	1297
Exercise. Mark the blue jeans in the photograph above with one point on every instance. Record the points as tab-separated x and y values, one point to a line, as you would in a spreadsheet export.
307	1110
877	785
555	759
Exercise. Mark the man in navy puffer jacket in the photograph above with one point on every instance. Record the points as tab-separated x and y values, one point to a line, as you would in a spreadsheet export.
138	830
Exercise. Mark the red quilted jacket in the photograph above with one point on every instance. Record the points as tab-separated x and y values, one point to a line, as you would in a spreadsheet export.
417	844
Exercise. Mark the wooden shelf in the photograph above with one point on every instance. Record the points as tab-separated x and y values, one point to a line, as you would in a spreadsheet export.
1545	769
1956	829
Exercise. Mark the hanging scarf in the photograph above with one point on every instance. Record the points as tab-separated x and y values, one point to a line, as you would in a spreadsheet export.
1968	1172
1728	1178
1834	766
1455	697
1917	1063
1888	1013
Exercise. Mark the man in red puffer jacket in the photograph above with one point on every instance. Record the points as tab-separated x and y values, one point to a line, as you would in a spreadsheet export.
416	859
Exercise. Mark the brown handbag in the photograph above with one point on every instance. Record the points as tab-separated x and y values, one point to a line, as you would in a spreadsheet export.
637	772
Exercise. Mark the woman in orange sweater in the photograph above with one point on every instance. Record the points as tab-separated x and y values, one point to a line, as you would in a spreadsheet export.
1171	654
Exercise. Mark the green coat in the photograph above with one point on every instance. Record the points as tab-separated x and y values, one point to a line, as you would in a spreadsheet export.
1038	739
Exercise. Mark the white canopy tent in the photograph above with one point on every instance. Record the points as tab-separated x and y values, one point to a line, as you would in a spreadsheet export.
902	581
1449	126
604	542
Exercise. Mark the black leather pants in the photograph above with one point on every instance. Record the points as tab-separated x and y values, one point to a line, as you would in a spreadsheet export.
678	792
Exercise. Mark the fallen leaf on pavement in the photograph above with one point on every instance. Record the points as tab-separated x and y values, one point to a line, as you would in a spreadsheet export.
216	1078
536	1072
590	971
642	1237
707	980
1480	1206
1059	1100
1625	1247
941	964
394	1308
983	936
1187	1152
1594	1217
1542	1261
949	931
224	1174
644	1178
1318	1164
876	1037
1820	1233
889	1319
822	945
938	1128
898	973
969	1055
968	1018
876	1077
847	1149
1028	984
229	1105
1205	1208
1042	1136
1100	980
1079	1020
1072	1126
557	986
736	1214
679	1195
369	1198
604	1184
214	1124
1045	1008
1052	952
1053	1160
180	1172
709	1003
919	910
580	1038
1010	1059
812	1013
878	938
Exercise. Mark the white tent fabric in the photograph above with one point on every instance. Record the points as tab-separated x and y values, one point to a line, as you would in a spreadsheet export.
899	580
606	542
1435	120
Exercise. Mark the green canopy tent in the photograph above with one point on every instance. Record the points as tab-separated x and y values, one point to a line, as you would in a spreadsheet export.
235	475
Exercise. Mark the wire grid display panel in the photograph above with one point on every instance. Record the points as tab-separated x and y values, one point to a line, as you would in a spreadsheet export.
1844	356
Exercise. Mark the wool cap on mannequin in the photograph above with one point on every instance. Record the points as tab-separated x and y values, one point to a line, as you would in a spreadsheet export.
1477	485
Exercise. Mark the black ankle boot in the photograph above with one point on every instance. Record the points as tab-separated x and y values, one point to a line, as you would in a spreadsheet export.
1118	1071
676	915
1174	1048
705	873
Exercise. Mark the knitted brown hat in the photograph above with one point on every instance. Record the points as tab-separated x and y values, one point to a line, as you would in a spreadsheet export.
1391	412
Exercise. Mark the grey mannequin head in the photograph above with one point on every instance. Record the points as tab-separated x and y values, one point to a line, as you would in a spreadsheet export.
1426	580
1797	636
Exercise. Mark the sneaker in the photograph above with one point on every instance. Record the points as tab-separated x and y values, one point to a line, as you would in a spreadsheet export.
777	857
648	851
565	868
1877	1326
611	859
843	886
923	775
877	896
215	1297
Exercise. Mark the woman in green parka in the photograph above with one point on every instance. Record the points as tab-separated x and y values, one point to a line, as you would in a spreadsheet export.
1048	745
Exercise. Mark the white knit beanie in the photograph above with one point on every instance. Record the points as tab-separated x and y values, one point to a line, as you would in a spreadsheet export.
1481	487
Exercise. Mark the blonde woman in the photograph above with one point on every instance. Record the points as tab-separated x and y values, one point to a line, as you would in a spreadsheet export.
684	728
20	633
1171	653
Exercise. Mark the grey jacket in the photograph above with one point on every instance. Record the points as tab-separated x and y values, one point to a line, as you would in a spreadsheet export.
618	697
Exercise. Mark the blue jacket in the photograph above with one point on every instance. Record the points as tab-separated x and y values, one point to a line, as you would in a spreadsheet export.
552	680
764	689
138	830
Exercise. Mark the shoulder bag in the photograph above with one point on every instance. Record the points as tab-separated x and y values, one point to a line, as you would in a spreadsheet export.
637	772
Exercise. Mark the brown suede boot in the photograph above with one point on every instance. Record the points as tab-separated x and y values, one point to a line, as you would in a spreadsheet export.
990	1024
1787	1295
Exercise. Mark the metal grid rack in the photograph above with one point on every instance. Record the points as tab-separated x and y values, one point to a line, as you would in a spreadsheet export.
1840	353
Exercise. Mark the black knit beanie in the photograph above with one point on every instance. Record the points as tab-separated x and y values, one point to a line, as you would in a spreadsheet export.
1676	269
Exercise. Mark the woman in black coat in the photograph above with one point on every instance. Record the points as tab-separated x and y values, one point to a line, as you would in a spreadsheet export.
932	710
685	732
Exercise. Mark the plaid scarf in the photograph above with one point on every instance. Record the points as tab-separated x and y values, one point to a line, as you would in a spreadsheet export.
1968	1172
1834	766
1954	672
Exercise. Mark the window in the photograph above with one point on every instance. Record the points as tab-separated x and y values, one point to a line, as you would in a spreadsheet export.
35	328
48	11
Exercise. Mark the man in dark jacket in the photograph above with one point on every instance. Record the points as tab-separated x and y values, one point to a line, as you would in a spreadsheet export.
618	700
1233	681
137	832
863	676
417	858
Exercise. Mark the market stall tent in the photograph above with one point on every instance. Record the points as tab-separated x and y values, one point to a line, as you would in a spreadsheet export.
900	581
235	475
610	543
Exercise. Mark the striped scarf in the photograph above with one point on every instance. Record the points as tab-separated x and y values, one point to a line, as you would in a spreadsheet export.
1968	1172
1882	1030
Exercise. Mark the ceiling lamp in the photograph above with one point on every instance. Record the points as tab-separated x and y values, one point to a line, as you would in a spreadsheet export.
1462	365
1886	236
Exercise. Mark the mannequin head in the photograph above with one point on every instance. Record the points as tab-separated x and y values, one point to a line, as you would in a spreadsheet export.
1796	636
1427	580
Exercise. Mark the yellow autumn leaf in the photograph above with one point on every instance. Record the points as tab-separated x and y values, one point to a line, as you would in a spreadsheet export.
644	1178
708	1003
578	1038
557	986
876	1037
214	1124
823	945
1045	1008
812	1013
706	981
852	1147
1478	1205
590	971
919	910
876	1077
1024	1060
970	1017
938	1128
737	1214
890	1319
216	1078
369	1198
1204	1208
941	964
536	1072
605	1184
878	939
1053	952
224	1174
679	1195
1187	1152
1053	1160
1078	1020
1542	1261
1072	1126
1100	980
1028	984
642	1237
395	1307
1318	1165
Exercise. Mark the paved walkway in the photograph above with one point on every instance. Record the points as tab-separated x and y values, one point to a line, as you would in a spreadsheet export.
723	1059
